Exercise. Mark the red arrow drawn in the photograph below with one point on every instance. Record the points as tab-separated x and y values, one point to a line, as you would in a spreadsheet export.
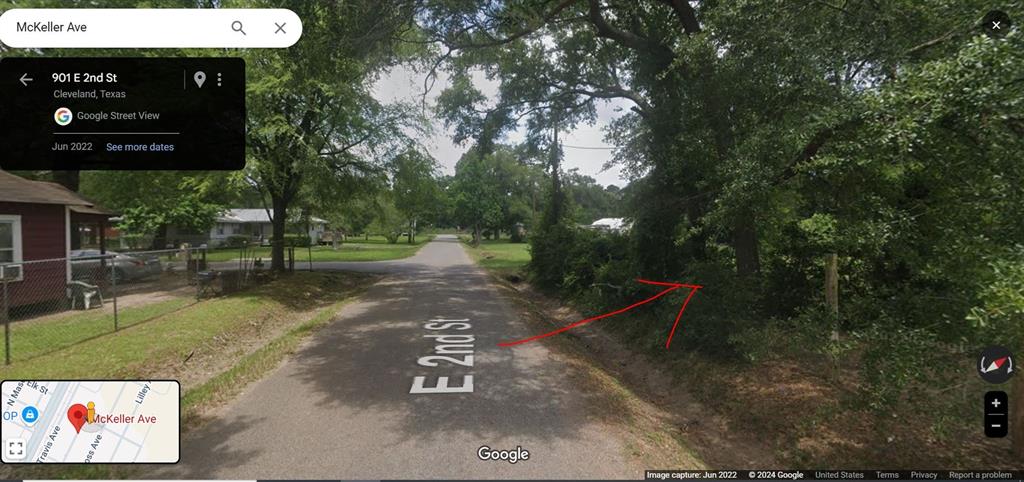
671	287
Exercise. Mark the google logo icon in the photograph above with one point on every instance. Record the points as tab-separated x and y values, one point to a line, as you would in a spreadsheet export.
62	116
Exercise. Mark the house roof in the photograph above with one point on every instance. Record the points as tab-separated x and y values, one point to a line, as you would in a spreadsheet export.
92	210
15	189
610	223
247	215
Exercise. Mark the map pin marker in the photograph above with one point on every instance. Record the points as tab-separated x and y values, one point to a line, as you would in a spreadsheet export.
76	414
200	77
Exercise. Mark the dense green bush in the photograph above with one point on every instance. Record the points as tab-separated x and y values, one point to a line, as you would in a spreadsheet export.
895	358
297	240
548	247
998	316
236	241
750	180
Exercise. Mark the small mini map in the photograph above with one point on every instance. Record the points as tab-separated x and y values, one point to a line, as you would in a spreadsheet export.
90	421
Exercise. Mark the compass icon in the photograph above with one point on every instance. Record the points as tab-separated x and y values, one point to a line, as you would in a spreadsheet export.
995	365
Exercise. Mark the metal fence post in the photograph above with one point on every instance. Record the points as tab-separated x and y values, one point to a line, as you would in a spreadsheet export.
194	273
113	289
201	267
7	327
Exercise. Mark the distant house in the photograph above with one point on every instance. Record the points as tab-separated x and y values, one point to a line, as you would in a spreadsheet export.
617	225
40	223
257	226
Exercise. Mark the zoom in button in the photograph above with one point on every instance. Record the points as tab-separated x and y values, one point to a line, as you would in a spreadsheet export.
996	414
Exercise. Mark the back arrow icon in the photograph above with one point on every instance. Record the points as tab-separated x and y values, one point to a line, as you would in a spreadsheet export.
25	79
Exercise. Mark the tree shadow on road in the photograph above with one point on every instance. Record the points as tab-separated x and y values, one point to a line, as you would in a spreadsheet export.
342	405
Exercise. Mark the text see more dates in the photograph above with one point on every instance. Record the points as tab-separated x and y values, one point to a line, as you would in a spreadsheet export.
123	113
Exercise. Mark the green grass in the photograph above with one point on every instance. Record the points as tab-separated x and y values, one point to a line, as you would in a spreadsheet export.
139	351
30	339
500	256
357	249
303	302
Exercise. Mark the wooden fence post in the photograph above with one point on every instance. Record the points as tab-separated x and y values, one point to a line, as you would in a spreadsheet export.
7	321
832	290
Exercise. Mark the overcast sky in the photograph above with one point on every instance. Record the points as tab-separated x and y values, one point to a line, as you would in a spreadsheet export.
404	85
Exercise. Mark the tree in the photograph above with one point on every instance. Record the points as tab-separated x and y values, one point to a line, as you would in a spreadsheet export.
444	205
494	191
771	147
415	187
388	220
475	196
310	109
555	60
352	216
590	201
151	201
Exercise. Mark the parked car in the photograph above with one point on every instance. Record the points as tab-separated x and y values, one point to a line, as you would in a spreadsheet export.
87	265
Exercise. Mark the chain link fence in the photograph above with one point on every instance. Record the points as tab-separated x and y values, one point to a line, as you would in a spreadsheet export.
48	305
52	304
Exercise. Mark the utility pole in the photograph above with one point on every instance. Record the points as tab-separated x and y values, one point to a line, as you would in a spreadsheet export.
555	163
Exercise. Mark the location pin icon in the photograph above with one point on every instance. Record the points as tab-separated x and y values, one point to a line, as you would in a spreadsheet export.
76	414
200	77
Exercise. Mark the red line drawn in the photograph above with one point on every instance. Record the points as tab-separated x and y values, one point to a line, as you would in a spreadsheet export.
671	287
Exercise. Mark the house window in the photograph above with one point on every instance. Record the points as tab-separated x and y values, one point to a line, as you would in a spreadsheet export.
10	246
220	229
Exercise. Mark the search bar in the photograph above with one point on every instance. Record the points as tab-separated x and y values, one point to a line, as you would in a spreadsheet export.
150	28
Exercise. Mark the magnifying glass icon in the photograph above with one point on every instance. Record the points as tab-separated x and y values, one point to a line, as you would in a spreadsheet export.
237	26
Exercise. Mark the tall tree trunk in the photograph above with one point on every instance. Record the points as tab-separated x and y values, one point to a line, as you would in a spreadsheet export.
277	239
748	257
832	290
476	235
68	179
159	239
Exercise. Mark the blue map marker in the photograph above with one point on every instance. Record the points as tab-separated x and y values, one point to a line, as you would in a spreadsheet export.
29	415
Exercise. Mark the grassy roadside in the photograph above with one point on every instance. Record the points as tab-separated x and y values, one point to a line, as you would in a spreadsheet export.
35	338
215	348
501	257
652	438
198	330
358	249
804	417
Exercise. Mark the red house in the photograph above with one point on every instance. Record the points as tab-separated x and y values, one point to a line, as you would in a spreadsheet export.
40	224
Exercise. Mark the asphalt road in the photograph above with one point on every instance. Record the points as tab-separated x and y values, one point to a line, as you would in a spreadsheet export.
341	406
